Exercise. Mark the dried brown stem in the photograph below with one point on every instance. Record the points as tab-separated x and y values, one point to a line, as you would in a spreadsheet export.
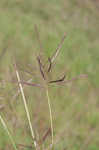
48	132
73	79
40	67
31	84
50	65
38	37
59	80
58	48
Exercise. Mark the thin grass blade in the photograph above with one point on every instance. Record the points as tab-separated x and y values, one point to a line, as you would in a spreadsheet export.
6	129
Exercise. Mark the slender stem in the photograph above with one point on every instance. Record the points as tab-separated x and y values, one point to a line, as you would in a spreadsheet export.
6	129
50	111
58	48
26	109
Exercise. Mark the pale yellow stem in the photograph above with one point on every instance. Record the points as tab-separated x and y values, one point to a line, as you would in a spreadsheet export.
26	109
51	118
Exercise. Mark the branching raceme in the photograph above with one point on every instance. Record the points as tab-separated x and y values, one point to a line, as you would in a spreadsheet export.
44	69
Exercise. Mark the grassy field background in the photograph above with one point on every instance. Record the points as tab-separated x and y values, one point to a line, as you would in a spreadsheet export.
75	106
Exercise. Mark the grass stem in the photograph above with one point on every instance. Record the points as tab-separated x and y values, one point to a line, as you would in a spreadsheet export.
50	111
6	129
26	108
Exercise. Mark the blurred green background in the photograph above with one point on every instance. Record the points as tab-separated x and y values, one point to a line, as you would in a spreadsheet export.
75	106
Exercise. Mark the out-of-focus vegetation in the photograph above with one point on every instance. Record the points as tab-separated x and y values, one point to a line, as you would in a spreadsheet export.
75	106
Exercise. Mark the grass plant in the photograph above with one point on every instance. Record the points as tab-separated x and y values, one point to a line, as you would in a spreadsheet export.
73	101
7	131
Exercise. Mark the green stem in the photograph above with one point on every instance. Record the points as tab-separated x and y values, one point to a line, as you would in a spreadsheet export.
6	129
